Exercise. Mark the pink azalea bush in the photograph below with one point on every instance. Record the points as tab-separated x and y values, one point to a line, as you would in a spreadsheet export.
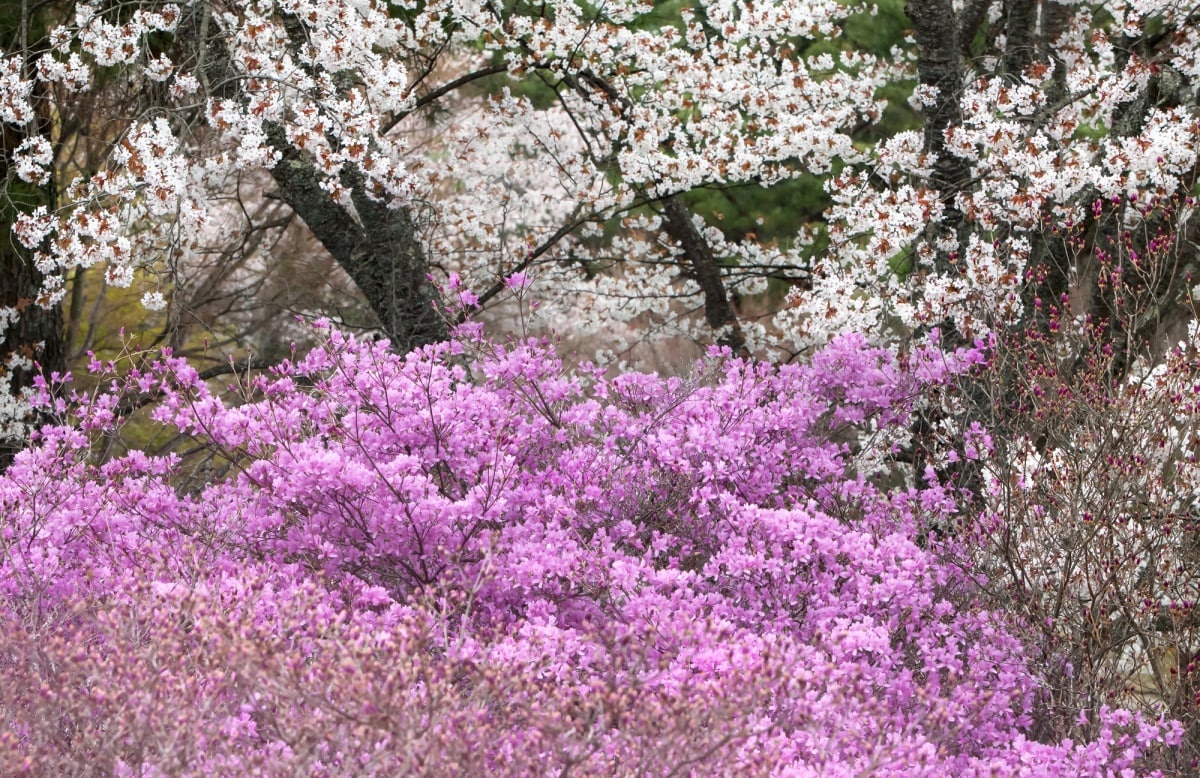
473	560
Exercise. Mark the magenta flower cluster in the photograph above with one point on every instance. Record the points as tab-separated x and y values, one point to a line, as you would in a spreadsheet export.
473	560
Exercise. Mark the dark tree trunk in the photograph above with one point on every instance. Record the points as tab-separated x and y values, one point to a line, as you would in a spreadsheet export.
1019	27
718	311
36	335
941	36
33	343
939	65
380	250
1056	17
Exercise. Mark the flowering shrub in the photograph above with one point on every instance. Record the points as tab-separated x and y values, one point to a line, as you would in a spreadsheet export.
474	560
1087	512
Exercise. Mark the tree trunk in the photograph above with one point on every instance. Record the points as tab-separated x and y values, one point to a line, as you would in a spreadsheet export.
1020	45
36	335
380	250
32	344
718	312
939	65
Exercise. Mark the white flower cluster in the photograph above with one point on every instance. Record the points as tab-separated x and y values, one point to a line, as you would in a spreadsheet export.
33	159
1040	152
15	90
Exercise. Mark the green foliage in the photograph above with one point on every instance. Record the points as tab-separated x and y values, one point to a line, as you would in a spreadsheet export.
767	214
19	197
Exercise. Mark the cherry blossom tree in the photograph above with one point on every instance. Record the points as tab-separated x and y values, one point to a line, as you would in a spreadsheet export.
397	137
566	140
1049	128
